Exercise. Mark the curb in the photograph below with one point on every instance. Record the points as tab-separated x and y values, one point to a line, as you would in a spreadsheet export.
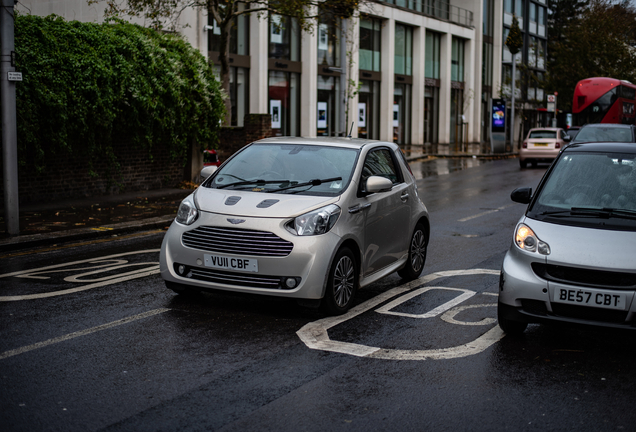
33	240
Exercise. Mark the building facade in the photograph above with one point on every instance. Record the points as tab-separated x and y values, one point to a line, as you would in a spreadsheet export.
416	72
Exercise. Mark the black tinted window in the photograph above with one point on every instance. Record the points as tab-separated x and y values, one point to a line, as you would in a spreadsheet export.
380	163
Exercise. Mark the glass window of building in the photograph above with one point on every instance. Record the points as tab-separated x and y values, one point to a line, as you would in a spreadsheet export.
328	107
369	109
403	50
370	32
508	12
457	60
284	102
533	18
284	38
542	20
328	42
519	12
402	113
239	56
431	91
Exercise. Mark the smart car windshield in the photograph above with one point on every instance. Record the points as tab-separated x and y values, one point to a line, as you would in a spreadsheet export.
591	188
288	168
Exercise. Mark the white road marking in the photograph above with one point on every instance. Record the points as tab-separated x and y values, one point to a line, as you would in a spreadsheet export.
76	334
386	309
449	316
315	334
485	213
102	264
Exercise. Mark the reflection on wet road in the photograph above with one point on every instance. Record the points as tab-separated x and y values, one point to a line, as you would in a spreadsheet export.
434	167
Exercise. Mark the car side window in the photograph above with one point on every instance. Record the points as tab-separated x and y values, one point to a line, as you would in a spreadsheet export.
380	163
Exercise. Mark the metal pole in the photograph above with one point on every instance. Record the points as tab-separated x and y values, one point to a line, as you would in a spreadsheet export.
9	129
512	108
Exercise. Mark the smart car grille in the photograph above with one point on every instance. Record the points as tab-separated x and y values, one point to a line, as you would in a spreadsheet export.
585	277
237	241
589	313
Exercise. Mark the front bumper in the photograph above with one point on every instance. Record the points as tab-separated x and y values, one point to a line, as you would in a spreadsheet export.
308	262
526	297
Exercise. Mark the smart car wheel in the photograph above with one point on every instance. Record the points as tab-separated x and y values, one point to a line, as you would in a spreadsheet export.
513	328
342	283
417	255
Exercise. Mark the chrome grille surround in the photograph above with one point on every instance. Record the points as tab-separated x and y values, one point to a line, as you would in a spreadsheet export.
236	241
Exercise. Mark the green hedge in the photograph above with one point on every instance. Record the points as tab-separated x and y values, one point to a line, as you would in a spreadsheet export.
87	85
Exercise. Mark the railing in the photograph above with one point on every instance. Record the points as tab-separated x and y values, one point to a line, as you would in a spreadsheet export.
438	9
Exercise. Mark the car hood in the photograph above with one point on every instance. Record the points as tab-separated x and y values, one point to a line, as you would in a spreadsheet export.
586	247
258	204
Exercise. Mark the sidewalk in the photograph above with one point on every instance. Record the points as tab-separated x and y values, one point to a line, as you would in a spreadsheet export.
86	218
110	215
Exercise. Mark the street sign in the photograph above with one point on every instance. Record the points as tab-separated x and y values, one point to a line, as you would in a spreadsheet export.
551	98
14	76
551	106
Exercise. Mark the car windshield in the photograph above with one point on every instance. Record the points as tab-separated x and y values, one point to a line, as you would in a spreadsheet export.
600	134
542	134
590	188
288	168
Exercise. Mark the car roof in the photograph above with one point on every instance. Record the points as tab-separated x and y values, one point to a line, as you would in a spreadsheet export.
545	128
355	143
613	125
602	147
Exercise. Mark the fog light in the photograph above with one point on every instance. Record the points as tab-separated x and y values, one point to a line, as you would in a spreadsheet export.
291	283
181	269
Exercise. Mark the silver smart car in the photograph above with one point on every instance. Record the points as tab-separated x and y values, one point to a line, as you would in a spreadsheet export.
309	219
573	254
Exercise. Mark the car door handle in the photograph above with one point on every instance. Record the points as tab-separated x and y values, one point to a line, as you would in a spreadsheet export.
404	196
356	208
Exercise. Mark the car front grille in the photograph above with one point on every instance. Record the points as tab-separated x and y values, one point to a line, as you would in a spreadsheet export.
247	280
589	313
237	241
585	277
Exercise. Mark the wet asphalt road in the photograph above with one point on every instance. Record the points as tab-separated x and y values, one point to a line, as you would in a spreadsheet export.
90	339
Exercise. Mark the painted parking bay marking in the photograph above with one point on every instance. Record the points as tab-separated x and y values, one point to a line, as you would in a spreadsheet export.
96	266
315	335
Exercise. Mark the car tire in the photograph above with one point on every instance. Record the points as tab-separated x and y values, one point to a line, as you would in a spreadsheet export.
523	163
417	255
181	289
342	283
510	327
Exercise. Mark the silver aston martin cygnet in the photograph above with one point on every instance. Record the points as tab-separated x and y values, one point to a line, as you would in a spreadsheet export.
303	218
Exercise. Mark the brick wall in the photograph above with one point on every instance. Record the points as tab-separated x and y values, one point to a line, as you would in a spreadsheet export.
68	176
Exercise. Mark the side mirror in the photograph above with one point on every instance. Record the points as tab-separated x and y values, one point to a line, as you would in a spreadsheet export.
567	138
521	195
208	171
378	184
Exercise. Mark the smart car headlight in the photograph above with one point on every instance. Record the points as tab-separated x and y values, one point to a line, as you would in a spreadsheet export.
188	212
316	222
527	240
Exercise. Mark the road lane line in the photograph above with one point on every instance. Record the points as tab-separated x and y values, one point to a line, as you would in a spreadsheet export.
485	213
76	334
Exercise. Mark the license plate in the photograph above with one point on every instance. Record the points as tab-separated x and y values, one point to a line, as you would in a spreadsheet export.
540	144
590	298
230	263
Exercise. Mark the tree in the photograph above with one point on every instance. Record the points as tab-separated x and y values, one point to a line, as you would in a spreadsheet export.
165	14
598	41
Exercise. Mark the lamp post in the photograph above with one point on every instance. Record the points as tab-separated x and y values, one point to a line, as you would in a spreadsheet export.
514	42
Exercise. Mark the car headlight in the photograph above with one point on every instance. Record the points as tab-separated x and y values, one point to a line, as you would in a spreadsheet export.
187	213
527	240
316	222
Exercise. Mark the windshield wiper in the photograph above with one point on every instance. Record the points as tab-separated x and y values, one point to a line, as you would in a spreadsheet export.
604	212
257	182
312	183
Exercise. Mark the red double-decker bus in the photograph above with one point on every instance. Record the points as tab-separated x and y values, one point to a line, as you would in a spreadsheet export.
604	100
